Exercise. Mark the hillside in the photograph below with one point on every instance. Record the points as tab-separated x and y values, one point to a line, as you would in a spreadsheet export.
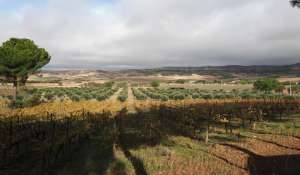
262	70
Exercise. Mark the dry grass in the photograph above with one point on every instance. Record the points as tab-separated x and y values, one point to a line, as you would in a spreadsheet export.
64	108
182	157
67	107
289	79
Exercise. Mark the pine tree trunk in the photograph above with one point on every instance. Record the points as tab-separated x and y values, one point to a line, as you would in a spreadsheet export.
15	90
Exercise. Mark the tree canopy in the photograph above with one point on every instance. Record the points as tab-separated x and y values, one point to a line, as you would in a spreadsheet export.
267	84
155	83
20	58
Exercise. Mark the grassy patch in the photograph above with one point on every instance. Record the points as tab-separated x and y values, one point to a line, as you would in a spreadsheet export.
287	127
180	155
121	165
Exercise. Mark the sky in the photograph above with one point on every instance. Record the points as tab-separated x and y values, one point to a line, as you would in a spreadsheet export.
156	33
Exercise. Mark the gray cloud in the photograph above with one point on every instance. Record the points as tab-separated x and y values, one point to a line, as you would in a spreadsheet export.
159	32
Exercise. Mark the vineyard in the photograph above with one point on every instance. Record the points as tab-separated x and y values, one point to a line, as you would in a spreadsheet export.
121	127
38	143
76	94
139	95
165	94
42	140
100	92
123	95
32	97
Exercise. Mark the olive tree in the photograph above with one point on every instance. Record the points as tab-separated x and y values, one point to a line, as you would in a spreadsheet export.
18	59
266	84
155	83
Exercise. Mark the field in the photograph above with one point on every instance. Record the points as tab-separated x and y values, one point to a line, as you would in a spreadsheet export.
113	123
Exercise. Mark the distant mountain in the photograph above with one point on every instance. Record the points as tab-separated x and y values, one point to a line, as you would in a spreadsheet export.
264	70
223	71
295	66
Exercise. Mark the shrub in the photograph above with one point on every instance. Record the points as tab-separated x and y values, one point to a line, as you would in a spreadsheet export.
180	81
179	97
155	83
138	94
220	96
201	81
109	84
60	93
164	98
87	96
32	91
122	98
229	95
208	96
10	97
18	103
33	100
75	97
245	95
100	97
195	96
49	96
289	97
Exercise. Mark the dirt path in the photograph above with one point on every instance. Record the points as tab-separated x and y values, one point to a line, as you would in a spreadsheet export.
114	98
130	100
113	104
129	104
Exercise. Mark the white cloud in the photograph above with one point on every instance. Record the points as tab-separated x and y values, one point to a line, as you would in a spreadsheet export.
159	32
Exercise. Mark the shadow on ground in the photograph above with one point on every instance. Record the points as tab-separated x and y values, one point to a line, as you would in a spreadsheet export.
272	165
129	131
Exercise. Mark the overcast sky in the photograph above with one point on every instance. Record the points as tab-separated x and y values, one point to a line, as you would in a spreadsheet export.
157	33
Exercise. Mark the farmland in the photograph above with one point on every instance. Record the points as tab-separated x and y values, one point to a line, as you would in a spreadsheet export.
149	87
126	126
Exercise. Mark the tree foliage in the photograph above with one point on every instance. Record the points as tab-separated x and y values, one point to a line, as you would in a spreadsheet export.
155	83
20	58
180	81
267	84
